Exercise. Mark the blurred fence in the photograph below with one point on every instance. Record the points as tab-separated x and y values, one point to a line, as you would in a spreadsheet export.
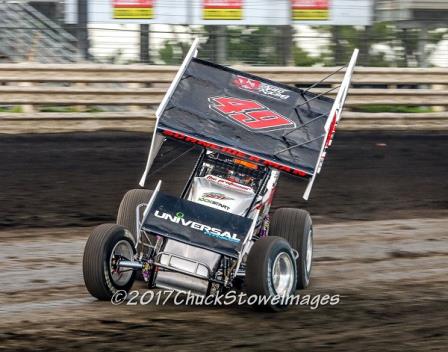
380	45
43	98
402	34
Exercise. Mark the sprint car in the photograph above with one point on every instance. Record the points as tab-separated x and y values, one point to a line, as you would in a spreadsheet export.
217	235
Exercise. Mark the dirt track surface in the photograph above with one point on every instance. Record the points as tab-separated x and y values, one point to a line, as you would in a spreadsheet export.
379	206
79	179
390	274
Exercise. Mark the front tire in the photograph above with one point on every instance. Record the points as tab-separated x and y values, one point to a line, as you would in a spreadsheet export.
271	271
106	244
295	226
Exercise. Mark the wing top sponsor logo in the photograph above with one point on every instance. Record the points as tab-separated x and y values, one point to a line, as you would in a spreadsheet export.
250	114
179	218
258	87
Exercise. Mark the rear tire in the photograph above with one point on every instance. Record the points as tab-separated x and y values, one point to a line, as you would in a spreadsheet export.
295	226
271	271
127	216
126	212
107	242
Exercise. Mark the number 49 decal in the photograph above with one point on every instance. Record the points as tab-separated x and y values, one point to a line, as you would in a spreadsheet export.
250	114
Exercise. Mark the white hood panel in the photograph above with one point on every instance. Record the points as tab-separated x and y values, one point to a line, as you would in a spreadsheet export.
221	194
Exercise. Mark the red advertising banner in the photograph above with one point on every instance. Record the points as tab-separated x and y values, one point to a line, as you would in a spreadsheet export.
222	9
310	10
133	9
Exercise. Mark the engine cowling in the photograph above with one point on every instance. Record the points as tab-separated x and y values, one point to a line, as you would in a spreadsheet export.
221	194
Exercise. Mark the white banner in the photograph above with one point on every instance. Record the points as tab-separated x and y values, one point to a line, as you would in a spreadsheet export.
227	12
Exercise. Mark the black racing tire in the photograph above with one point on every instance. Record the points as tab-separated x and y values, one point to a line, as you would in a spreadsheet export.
259	280
97	258
127	217
126	212
295	226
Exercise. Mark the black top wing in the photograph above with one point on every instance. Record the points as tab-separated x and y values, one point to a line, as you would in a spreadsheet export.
247	116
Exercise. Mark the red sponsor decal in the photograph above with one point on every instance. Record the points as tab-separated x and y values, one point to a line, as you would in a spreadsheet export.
234	152
310	4
132	3
246	83
331	131
250	114
261	88
223	4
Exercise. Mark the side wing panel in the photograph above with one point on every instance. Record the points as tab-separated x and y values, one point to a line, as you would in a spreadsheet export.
333	119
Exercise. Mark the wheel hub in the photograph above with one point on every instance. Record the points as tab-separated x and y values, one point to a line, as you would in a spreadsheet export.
283	274
121	251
